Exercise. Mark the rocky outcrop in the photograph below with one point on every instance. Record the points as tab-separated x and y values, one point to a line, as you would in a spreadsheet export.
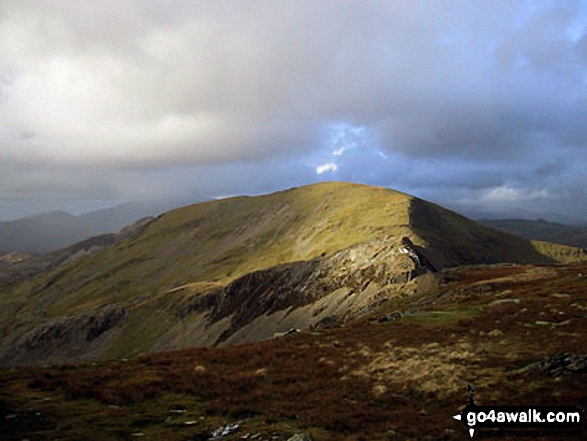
370	272
73	338
308	294
100	323
559	364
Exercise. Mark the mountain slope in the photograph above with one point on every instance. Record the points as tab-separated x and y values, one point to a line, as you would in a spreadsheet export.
40	233
51	231
15	266
162	287
452	240
542	230
516	333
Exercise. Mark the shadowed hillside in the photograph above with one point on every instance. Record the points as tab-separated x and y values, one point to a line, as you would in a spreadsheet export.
51	231
542	230
16	266
451	240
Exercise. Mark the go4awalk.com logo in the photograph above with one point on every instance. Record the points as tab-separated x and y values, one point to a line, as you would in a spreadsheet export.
542	419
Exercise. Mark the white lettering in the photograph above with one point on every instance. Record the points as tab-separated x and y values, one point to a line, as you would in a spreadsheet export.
573	417
471	418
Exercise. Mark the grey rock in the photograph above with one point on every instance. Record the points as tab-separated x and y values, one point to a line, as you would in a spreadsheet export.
225	430
391	317
300	437
288	332
558	364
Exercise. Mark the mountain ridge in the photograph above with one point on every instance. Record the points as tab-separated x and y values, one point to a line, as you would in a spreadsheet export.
541	229
47	232
134	296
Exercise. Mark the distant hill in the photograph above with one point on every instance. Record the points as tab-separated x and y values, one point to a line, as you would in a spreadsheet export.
541	230
54	230
245	268
16	265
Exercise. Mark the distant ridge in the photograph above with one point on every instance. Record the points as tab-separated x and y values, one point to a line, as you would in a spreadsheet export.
53	230
542	230
16	265
221	272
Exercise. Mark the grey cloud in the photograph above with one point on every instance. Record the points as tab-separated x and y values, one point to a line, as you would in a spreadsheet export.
551	169
212	82
114	99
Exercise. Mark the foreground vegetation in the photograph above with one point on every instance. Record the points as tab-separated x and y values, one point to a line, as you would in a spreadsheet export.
400	373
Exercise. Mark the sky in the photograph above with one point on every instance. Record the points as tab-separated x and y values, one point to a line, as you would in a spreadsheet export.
480	106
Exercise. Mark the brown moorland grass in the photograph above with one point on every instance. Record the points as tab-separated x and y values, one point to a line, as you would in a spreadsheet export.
399	379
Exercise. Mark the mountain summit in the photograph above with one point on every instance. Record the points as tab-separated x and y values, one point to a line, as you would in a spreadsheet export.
248	268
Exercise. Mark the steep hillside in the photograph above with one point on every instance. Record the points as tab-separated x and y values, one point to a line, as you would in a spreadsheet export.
244	268
451	240
542	230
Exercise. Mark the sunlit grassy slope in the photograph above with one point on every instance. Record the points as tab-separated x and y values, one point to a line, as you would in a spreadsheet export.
216	242
221	240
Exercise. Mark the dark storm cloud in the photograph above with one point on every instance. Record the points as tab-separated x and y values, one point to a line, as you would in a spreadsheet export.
120	98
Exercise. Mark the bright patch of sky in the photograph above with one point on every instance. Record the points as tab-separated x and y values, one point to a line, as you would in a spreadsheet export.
450	101
330	167
506	193
579	26
352	152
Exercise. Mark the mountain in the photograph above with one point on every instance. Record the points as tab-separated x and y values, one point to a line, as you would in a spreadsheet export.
560	217
541	229
51	231
40	233
16	266
246	268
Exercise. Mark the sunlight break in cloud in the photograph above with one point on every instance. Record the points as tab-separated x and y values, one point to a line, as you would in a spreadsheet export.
135	90
506	193
330	167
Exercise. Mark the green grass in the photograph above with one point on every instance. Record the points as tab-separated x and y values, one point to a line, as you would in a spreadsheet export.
211	240
219	241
